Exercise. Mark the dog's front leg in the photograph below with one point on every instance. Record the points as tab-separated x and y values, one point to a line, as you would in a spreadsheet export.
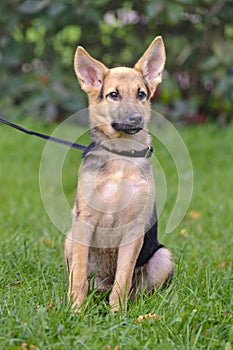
127	256
78	283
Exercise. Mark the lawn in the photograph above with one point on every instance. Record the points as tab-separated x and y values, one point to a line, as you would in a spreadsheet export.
194	313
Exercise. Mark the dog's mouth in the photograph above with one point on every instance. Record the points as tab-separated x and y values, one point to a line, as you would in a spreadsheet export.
127	128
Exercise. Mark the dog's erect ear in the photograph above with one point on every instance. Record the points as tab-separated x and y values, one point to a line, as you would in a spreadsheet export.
89	71
152	62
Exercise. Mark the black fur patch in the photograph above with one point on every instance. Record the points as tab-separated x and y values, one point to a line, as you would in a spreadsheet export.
150	244
101	93
147	90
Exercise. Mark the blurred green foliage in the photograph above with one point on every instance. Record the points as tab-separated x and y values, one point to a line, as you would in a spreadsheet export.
38	39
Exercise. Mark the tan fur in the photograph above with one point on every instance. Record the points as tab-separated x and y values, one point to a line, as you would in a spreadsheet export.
155	272
115	194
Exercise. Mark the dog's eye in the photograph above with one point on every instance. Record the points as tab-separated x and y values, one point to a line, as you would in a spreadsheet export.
114	95
141	95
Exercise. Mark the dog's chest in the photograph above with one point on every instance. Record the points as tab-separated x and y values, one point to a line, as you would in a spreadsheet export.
115	200
121	186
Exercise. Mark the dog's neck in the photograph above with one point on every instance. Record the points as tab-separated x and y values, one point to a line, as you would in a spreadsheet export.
122	143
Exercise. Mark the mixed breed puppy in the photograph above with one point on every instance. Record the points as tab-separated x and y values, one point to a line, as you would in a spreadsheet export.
114	230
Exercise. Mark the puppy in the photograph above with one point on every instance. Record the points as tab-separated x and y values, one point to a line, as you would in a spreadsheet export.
114	230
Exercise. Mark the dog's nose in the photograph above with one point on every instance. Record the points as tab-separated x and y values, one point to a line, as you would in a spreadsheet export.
135	119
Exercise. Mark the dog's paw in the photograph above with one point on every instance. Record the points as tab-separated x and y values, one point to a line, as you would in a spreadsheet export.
117	303
76	301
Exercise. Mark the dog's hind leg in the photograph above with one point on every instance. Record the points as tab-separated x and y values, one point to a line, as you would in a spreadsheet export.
155	274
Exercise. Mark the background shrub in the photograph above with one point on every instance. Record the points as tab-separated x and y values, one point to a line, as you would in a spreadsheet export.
38	39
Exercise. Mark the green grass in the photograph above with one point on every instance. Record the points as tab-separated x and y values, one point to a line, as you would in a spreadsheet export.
196	310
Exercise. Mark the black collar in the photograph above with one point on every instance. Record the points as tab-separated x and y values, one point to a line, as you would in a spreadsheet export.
145	153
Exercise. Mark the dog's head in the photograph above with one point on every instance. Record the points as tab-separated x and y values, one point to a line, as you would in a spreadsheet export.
119	98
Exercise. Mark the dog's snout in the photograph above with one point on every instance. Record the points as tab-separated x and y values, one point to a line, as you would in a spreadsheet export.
135	119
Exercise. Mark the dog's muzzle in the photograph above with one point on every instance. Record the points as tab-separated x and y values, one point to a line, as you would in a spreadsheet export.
134	124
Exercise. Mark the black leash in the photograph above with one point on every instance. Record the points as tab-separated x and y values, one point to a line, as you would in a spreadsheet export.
145	153
44	136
